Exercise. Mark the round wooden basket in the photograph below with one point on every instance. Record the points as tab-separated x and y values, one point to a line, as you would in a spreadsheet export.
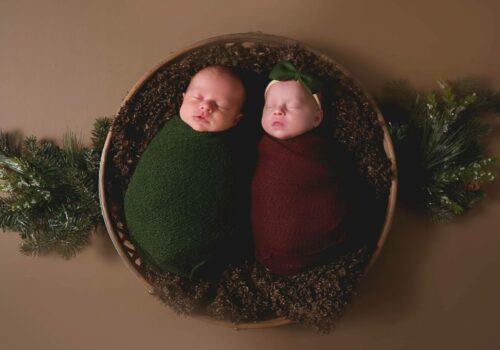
117	231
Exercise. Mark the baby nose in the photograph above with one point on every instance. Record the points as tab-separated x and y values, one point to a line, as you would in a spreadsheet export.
279	111
207	106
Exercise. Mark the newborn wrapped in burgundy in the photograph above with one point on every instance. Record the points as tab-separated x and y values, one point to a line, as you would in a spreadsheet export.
298	204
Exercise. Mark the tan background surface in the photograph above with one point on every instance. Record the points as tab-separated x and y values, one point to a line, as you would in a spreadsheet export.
64	63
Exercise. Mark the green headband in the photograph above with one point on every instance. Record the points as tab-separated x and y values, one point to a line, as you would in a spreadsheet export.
285	70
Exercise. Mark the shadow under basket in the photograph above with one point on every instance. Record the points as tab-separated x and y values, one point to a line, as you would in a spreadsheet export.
158	93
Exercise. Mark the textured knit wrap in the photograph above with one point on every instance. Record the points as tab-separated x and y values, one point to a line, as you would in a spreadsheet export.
296	203
180	205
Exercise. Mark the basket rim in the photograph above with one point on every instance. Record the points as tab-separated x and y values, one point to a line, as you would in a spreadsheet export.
250	37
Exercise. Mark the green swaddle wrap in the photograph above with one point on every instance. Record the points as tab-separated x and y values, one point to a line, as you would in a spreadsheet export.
181	203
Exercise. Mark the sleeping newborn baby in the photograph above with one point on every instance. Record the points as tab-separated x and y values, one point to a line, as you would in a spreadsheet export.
181	205
297	206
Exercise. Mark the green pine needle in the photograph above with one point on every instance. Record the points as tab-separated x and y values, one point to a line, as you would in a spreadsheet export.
100	132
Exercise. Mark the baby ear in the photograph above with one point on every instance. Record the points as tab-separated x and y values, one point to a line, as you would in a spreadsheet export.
237	118
318	118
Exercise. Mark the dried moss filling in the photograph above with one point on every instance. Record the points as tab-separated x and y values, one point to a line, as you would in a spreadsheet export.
248	293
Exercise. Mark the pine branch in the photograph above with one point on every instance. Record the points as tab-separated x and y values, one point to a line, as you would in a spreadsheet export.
50	193
488	100
100	132
441	162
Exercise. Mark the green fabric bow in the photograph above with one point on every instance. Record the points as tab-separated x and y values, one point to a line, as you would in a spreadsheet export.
285	70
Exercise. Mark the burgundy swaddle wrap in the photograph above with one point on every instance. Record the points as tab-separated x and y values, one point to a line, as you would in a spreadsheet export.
297	203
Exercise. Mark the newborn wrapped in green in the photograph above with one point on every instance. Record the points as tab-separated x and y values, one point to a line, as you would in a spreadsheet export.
181	205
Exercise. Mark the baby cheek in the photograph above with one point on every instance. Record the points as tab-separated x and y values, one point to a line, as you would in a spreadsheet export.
182	109
266	115
187	107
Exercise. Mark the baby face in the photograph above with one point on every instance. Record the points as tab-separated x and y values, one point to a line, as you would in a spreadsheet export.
289	110
213	100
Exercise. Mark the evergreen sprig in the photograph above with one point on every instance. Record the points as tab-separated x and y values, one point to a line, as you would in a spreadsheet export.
441	163
49	194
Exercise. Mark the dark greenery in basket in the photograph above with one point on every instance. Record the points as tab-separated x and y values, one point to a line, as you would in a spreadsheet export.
441	163
49	194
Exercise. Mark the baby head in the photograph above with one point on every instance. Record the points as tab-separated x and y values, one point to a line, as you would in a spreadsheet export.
213	100
292	106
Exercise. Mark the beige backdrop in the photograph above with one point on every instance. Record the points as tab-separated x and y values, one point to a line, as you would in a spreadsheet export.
64	63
